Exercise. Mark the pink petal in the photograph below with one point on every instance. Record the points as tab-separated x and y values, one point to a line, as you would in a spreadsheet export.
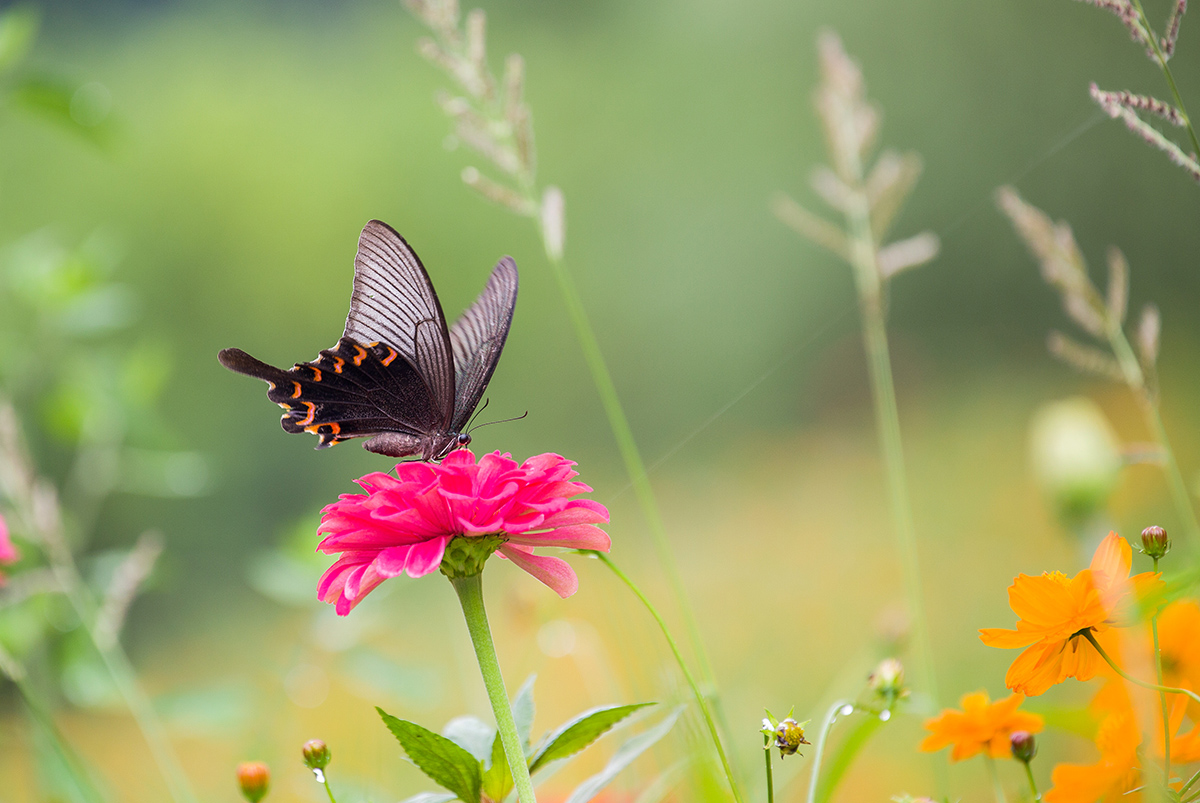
392	562
554	572
580	511
427	557
8	552
577	536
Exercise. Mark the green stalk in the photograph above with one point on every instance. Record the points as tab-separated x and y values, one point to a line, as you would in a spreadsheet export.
770	778
1135	378
701	700
1087	634
1166	68
635	467
997	787
863	256
1037	796
1191	781
325	783
831	716
1162	699
840	762
66	754
123	674
470	595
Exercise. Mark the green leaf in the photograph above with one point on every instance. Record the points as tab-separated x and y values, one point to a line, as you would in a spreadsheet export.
578	733
522	709
82	110
471	734
497	779
624	756
446	764
18	29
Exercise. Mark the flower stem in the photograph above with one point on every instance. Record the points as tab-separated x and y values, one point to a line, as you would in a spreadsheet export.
635	467
76	770
1162	62
1162	698
841	706
470	596
701	700
770	777
325	782
864	259
1037	796
1135	378
1087	634
997	787
124	676
1191	781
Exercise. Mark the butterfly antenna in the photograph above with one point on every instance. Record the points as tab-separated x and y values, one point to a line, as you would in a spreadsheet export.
475	414
501	421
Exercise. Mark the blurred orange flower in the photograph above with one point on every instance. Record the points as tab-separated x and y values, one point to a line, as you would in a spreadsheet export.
1179	641
981	726
1055	611
1113	778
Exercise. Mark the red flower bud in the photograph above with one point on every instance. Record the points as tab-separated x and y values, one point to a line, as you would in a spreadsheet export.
254	778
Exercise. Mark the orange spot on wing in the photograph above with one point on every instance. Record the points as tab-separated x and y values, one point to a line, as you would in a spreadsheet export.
296	395
362	355
335	428
391	356
316	374
312	413
337	368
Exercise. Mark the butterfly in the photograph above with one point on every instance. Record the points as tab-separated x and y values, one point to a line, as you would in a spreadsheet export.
398	375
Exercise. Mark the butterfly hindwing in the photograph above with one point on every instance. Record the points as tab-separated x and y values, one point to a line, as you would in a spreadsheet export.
478	336
352	390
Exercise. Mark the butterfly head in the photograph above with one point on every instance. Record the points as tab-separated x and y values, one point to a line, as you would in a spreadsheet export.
462	441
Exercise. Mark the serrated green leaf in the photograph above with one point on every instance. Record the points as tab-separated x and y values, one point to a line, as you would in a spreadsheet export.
448	765
522	709
430	797
576	734
497	779
624	756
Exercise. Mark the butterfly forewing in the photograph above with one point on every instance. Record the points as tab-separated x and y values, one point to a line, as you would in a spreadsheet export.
478	336
394	303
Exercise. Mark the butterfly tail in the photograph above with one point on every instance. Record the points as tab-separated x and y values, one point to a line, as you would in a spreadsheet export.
243	363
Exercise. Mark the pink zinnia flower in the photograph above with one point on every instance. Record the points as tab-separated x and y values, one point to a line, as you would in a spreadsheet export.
8	552
403	523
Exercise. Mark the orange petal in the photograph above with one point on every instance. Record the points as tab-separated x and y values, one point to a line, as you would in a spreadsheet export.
1113	558
1043	600
1006	639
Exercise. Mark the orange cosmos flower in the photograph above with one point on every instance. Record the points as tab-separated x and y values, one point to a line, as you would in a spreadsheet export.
980	727
1055	611
1110	780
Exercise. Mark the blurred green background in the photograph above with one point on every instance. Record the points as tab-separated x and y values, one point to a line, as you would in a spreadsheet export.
248	144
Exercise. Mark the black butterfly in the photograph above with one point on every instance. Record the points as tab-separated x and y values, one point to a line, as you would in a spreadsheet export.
397	375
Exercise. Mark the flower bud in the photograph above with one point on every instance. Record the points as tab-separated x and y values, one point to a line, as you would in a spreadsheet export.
254	778
887	681
1076	457
1155	542
316	754
789	735
1024	748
